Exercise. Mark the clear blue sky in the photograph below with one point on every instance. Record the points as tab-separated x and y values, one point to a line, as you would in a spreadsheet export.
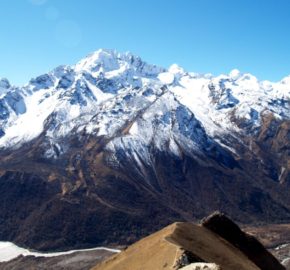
201	35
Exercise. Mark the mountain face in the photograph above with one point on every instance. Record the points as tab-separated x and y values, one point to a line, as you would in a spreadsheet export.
111	149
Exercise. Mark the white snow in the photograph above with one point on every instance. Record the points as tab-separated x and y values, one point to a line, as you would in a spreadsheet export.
235	74
132	87
30	124
166	77
176	69
9	251
193	93
134	129
174	148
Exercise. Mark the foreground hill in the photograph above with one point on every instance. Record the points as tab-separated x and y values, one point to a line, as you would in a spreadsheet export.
217	244
113	149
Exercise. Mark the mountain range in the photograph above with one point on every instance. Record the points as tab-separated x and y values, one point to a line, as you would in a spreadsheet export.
113	148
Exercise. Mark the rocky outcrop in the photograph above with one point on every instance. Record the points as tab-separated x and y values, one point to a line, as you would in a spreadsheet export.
217	244
248	244
201	266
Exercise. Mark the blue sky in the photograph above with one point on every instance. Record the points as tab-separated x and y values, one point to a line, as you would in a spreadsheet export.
213	36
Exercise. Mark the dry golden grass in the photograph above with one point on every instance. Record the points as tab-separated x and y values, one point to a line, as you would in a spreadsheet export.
152	252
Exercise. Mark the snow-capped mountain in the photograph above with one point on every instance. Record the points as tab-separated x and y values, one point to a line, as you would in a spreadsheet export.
107	89
117	138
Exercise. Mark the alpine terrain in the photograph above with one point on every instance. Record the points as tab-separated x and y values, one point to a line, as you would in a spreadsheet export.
217	243
111	149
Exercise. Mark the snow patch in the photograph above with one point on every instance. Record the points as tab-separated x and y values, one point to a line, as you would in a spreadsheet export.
166	77
235	74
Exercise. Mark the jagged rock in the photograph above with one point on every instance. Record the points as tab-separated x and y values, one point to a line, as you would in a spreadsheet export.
248	244
4	83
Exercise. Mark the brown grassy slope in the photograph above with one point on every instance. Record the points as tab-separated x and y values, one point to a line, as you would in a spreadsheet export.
162	249
152	252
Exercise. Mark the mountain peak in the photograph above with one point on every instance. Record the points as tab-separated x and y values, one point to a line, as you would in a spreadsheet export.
286	80
102	58
176	69
107	60
235	74
75	90
4	83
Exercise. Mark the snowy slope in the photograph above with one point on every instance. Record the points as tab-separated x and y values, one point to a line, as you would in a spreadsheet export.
107	91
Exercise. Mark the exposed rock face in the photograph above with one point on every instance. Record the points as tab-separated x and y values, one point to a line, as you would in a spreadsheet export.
248	244
201	266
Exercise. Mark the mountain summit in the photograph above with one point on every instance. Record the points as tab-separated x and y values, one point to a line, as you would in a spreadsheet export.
129	147
68	92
